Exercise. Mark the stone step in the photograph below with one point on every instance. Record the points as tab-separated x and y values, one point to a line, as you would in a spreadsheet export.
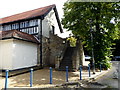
67	59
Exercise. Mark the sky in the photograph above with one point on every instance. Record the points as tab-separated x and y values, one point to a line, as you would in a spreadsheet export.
11	7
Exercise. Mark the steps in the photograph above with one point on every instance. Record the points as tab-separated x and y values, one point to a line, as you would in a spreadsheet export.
67	59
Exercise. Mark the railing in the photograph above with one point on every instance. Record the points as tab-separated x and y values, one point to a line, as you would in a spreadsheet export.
50	75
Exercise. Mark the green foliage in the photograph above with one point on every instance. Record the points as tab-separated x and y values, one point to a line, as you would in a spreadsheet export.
72	41
94	17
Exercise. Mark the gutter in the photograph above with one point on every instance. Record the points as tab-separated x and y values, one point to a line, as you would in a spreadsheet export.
41	41
19	39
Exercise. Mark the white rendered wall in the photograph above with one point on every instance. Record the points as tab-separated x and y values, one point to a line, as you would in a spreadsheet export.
85	63
25	54
47	23
6	54
17	54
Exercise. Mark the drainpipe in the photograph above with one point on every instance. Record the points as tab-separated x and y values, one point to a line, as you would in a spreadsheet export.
41	43
40	39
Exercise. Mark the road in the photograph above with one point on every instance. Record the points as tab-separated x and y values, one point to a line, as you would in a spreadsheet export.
41	79
109	78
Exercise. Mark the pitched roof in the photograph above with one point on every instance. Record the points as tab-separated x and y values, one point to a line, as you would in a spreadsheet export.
40	12
17	35
27	14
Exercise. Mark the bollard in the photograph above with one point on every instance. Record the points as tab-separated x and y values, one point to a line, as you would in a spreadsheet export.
100	68
66	73
80	72
50	75
6	80
89	69
31	77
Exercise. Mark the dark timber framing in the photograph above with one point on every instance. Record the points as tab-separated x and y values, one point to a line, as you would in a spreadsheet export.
40	28
41	43
37	17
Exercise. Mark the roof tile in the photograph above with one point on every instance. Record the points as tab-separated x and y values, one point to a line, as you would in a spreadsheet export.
27	15
18	35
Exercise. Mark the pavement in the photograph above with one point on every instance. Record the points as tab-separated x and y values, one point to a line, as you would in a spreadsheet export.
111	78
41	78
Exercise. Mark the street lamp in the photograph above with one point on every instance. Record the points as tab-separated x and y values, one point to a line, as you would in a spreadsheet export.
93	60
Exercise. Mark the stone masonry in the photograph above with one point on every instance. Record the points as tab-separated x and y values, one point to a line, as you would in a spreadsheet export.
54	49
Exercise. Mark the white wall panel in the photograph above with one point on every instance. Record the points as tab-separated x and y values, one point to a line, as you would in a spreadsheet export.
25	54
6	54
47	23
17	54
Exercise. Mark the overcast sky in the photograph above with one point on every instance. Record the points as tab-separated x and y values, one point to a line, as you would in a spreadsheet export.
11	7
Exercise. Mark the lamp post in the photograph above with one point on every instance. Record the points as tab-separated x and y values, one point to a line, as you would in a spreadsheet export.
93	61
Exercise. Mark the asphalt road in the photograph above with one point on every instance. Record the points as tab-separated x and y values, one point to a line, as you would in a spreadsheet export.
108	81
109	78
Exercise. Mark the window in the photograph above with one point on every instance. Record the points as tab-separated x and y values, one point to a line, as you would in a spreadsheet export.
36	22
27	30
30	26
17	26
12	26
25	24
31	23
30	31
53	30
35	30
21	25
1	28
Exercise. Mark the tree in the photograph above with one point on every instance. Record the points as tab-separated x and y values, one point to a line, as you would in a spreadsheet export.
94	17
72	41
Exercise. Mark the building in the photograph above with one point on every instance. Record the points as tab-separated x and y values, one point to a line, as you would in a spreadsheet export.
39	23
17	50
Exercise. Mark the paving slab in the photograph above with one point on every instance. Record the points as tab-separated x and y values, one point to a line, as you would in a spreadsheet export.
41	78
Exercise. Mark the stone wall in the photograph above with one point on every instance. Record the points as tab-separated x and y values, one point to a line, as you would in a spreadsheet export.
57	48
46	51
78	56
52	48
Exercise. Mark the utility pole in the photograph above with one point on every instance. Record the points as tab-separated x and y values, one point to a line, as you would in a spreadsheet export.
93	60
